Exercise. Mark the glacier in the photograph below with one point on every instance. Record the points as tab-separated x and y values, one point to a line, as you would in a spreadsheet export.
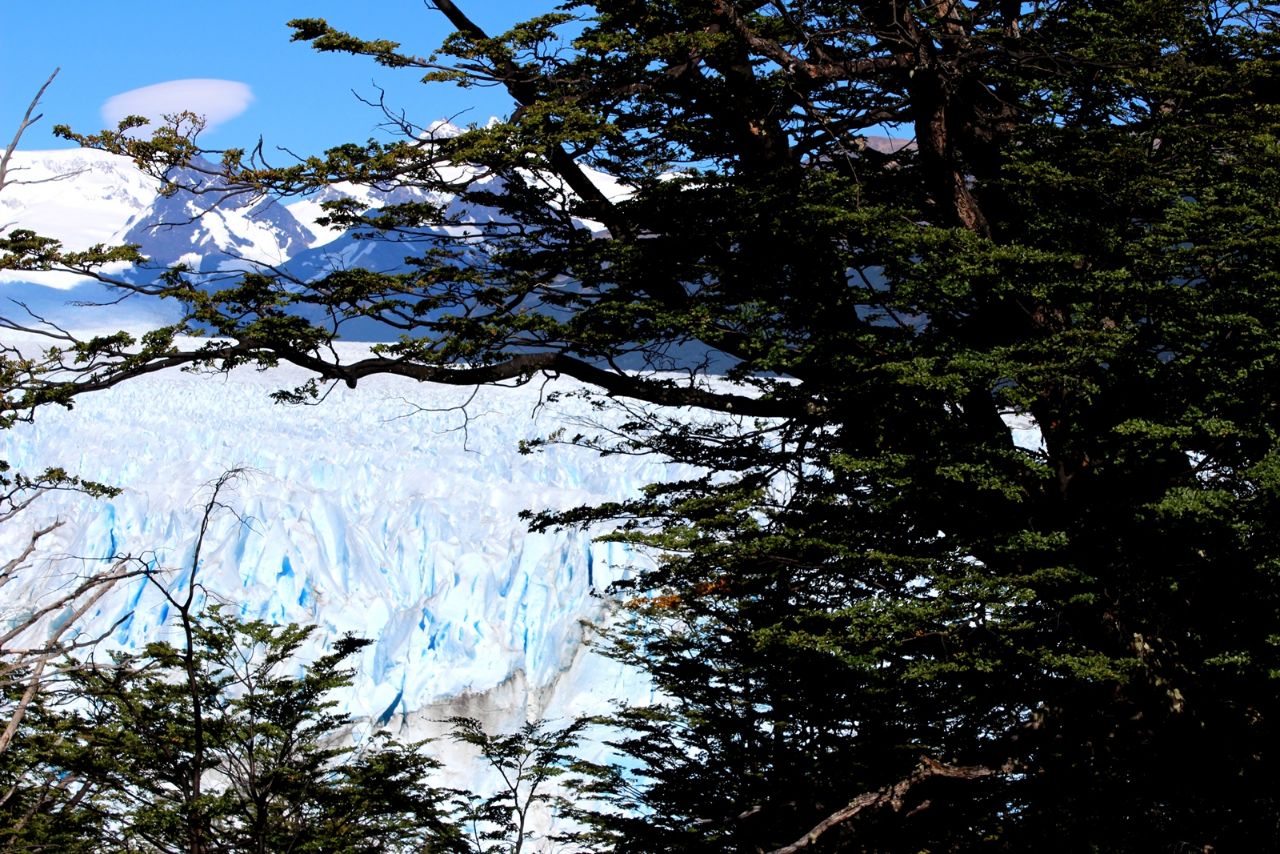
389	512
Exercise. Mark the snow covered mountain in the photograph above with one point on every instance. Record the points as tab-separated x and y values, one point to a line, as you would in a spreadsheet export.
83	197
80	196
208	230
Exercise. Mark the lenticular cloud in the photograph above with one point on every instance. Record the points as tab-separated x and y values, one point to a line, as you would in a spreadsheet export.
216	100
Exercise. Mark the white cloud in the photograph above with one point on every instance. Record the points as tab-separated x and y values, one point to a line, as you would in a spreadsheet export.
216	100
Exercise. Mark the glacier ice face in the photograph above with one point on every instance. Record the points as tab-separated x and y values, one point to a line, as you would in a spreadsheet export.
387	512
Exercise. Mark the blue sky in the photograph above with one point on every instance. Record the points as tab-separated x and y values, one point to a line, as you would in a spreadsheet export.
256	82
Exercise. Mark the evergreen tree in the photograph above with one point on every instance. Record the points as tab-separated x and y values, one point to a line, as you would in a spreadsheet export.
41	806
233	749
526	763
888	619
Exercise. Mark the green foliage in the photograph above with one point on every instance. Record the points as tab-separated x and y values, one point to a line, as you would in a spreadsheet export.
527	764
1077	634
233	747
42	808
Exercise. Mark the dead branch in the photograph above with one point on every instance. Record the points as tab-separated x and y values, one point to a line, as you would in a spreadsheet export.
6	571
27	121
892	796
92	589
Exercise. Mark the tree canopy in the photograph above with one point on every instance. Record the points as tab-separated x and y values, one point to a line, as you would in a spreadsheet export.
979	299
215	747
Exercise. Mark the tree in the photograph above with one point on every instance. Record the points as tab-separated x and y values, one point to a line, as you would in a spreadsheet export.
107	761
221	742
887	619
218	744
265	742
527	763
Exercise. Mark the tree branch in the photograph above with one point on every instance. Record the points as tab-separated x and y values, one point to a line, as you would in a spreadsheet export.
598	205
27	121
522	367
828	68
892	796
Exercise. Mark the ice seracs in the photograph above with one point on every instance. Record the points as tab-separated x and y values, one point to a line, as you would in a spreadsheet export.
384	512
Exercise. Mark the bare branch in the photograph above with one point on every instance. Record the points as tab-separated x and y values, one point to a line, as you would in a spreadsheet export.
892	796
36	658
27	121
829	67
464	408
6	571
